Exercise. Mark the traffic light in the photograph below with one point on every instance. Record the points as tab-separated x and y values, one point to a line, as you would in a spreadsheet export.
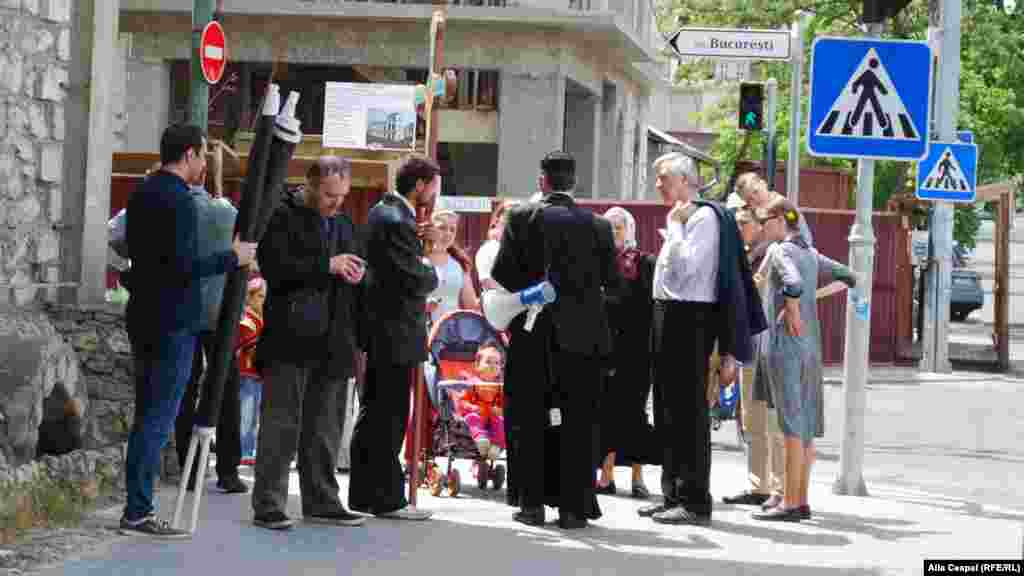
751	106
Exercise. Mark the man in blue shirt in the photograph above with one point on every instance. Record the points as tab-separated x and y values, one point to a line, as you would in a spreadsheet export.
165	312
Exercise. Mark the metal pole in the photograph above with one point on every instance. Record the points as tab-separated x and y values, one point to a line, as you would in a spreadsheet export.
795	92
771	94
858	332
199	90
944	34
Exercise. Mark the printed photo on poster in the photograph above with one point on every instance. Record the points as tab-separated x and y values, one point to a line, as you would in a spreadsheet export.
369	116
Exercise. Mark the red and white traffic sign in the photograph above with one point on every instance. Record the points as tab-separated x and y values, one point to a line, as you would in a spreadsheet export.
213	55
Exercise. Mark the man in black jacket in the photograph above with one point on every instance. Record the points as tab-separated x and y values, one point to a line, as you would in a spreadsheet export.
400	278
165	312
307	348
554	371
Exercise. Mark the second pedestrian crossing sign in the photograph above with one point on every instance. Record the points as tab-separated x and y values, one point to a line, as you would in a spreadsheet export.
949	173
869	99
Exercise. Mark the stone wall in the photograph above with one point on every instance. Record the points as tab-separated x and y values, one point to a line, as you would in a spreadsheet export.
86	354
35	52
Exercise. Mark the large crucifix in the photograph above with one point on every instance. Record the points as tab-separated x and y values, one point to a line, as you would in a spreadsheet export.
437	28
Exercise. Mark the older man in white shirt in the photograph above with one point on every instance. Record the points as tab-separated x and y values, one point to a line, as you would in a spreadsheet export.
685	293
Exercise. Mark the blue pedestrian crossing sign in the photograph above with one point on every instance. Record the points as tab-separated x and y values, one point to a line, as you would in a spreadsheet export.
869	99
949	173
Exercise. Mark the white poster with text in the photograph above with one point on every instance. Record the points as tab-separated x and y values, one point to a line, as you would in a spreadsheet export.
370	116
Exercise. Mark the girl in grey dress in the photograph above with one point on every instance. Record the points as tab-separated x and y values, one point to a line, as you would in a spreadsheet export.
793	356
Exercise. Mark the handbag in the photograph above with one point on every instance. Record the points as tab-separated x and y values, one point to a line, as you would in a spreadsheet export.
306	314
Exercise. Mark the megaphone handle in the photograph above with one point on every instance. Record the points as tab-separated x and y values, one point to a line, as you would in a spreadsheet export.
531	317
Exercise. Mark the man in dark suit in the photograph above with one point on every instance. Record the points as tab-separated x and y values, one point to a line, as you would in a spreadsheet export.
395	337
165	312
554	371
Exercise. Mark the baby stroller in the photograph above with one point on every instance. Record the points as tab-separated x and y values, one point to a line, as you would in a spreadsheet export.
453	345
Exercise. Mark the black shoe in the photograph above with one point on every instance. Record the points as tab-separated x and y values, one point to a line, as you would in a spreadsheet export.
570	521
232	485
651	510
779	514
746	499
152	526
805	512
338	517
274	521
530	516
640	492
680	515
609	489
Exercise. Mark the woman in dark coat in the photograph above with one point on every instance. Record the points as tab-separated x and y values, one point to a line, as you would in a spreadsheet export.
626	436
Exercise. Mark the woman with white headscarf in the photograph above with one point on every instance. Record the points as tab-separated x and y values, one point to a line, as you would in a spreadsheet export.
626	434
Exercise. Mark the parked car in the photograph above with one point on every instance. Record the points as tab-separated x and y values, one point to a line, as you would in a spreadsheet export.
966	293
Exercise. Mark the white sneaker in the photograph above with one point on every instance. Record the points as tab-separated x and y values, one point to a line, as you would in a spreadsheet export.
407	513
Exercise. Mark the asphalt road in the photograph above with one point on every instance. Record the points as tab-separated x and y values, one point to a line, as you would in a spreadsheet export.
941	466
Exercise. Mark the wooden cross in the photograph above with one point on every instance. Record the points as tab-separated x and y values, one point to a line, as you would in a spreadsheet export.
437	27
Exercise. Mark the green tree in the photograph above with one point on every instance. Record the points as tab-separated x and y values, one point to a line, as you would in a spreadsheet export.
991	83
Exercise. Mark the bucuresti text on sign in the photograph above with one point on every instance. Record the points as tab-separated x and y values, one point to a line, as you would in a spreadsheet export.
724	43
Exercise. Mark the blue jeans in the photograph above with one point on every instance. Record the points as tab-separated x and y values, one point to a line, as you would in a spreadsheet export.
250	396
163	365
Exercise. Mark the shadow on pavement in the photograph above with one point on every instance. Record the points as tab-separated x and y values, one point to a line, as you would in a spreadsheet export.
490	544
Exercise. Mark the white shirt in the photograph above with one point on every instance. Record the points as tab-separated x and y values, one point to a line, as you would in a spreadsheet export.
687	266
485	258
407	203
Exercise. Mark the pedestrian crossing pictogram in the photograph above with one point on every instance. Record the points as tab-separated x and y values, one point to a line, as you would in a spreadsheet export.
946	175
869	98
869	106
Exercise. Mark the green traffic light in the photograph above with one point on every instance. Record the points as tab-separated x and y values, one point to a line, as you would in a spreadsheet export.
751	119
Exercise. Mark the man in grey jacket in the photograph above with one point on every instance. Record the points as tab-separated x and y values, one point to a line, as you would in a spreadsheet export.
216	226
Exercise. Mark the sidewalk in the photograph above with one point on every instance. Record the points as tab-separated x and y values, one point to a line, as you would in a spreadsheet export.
891	532
912	376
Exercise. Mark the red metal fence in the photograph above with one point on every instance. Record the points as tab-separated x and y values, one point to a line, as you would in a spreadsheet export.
891	323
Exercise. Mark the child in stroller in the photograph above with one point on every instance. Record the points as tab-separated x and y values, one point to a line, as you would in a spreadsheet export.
464	378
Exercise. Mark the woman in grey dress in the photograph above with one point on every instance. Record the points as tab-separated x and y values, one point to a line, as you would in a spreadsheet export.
795	377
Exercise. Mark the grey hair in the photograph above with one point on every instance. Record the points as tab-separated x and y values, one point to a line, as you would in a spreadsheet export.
679	164
326	166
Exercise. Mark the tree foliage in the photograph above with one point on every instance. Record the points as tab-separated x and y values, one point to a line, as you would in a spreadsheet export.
991	82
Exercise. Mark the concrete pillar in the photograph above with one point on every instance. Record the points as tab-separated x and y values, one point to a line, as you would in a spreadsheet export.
531	115
88	148
582	138
610	164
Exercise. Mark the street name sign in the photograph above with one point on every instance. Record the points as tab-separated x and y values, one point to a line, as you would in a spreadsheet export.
482	204
213	57
723	43
869	99
949	173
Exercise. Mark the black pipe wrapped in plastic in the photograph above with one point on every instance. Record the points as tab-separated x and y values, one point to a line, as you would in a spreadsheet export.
286	136
246	225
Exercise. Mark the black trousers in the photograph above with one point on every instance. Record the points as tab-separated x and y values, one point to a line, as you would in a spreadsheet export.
554	465
376	483
229	439
299	412
682	340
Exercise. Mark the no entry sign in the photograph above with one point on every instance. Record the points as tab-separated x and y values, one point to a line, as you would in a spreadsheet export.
213	57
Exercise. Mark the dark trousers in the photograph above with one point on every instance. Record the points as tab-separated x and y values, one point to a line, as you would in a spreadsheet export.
555	464
163	363
376	482
299	412
229	440
682	341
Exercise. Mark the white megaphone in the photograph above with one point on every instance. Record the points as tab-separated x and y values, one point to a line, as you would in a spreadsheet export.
501	306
